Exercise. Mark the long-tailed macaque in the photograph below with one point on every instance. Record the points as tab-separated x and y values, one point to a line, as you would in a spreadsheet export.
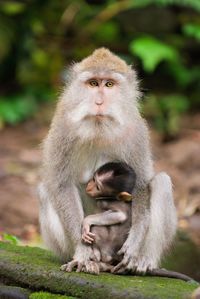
97	121
112	186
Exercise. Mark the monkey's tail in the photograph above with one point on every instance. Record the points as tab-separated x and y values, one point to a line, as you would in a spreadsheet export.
170	274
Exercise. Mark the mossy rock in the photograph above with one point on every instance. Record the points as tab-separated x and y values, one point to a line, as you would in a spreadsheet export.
184	257
38	270
46	295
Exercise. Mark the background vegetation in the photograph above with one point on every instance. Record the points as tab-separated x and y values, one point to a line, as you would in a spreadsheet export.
161	38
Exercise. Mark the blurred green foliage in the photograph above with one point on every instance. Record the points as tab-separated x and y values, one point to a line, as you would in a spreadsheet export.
10	239
161	38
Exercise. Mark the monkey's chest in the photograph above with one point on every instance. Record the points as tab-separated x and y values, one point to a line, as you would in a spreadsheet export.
113	204
88	165
104	205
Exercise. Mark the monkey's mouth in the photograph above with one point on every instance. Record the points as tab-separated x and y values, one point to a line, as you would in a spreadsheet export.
99	117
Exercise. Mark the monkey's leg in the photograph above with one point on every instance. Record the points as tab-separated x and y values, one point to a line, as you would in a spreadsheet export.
161	230
61	227
51	227
163	222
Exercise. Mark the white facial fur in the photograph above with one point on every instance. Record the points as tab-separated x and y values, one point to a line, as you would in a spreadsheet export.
97	109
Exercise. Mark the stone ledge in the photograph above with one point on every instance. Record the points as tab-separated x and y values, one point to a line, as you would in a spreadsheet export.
38	270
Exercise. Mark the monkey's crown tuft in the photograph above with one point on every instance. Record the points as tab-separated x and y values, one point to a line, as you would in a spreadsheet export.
103	58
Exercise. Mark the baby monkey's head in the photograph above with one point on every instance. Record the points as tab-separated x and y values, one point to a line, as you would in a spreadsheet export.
114	179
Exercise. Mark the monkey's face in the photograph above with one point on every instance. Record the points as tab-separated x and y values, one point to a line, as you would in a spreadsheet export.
102	101
99	94
97	187
92	188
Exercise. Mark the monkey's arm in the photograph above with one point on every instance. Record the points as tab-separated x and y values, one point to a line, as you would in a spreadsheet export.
106	218
144	253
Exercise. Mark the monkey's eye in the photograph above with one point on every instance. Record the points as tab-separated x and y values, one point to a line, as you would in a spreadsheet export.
98	188
93	83
109	83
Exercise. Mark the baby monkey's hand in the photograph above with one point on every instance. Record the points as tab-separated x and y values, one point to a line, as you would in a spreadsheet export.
87	236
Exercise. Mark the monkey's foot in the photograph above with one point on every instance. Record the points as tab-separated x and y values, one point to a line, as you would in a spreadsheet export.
86	266
144	264
135	265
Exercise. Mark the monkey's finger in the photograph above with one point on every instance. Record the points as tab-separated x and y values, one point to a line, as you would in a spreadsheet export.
63	267
83	269
121	251
79	267
89	239
95	267
140	272
85	240
70	266
123	270
91	267
91	234
118	267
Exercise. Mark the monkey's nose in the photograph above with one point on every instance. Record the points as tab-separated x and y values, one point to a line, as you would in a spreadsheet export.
88	189
99	102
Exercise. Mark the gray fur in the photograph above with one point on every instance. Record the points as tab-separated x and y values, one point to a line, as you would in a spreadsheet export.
75	148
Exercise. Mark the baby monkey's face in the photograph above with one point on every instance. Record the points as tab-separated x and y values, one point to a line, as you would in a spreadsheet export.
96	187
99	185
92	188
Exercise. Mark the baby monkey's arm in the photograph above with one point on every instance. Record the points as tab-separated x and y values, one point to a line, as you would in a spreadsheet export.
106	218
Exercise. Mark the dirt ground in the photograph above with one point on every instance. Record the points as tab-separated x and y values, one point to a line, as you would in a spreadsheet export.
20	159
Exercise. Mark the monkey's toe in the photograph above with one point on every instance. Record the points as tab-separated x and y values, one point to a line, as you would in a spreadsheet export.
70	266
143	265
91	267
63	267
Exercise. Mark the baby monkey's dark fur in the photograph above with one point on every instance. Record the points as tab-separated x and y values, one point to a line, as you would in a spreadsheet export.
112	186
122	178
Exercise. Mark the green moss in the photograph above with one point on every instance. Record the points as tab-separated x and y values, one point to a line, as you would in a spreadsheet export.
39	269
46	295
185	257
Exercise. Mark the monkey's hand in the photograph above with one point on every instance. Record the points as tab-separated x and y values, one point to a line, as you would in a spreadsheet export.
128	261
82	261
133	261
87	236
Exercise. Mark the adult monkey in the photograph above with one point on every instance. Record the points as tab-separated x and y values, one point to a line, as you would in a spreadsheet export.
97	121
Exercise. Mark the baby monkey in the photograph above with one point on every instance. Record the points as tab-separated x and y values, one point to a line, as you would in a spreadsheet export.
112	186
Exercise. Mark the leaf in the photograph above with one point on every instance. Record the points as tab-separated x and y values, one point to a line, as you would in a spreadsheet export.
10	238
151	51
176	103
195	4
13	7
16	109
192	30
107	32
7	113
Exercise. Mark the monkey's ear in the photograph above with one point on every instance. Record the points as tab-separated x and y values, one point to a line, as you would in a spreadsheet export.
125	196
